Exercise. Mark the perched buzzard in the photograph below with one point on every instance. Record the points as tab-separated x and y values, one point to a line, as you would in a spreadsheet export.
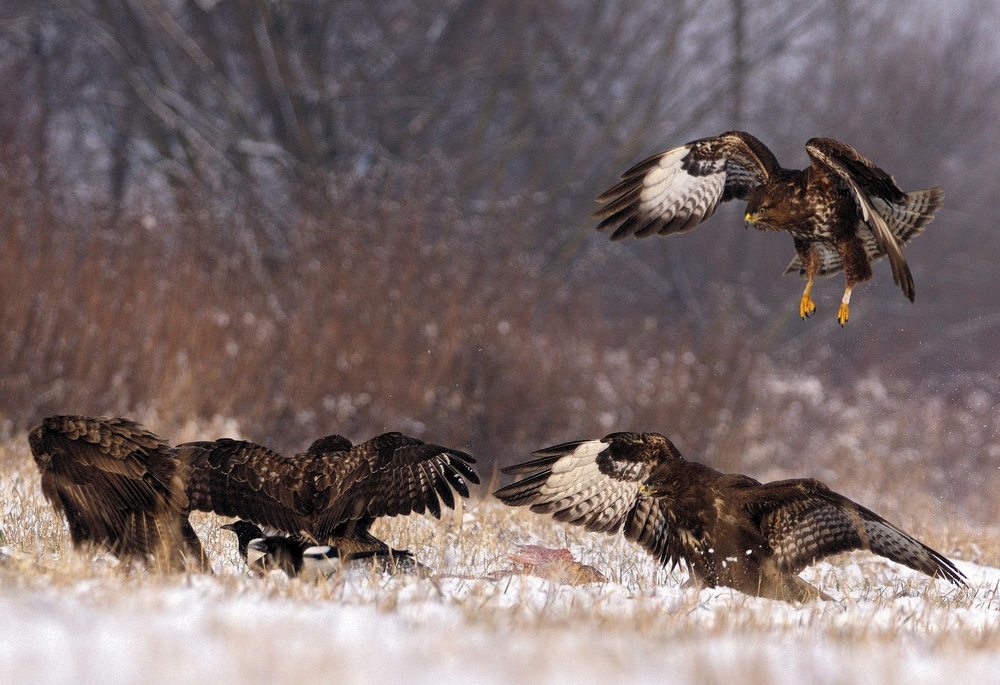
728	529
290	554
843	211
125	489
119	487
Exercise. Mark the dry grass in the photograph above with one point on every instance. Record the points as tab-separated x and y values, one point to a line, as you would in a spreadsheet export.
389	312
886	613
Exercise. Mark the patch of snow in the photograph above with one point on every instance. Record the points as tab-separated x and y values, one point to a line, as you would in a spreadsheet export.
521	629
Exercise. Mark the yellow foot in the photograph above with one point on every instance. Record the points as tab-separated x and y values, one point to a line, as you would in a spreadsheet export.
843	313
806	307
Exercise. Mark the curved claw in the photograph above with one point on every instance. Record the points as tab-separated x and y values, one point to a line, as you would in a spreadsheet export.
806	307
843	314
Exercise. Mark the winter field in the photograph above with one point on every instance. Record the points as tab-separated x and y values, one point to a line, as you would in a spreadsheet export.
77	618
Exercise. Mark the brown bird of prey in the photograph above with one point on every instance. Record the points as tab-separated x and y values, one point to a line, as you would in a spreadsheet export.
124	489
727	529
119	486
844	213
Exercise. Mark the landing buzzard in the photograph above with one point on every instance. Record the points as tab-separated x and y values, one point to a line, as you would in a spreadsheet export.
125	489
728	529
844	213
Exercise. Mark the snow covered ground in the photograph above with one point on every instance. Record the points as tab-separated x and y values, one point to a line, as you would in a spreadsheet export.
70	617
521	630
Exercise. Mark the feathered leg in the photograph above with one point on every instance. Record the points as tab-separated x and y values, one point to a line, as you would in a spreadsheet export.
845	311
811	263
788	587
857	269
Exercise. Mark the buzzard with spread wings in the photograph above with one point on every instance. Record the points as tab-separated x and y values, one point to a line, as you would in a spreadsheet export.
844	213
123	488
728	529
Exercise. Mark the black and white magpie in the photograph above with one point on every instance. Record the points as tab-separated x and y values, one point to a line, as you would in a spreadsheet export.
296	556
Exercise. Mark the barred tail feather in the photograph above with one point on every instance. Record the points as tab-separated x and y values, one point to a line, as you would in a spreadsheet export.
908	220
888	541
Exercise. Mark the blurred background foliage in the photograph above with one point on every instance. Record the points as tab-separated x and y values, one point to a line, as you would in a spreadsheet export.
359	216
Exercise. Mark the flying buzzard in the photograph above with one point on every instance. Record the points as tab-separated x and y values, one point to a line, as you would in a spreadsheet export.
843	211
125	489
728	529
290	554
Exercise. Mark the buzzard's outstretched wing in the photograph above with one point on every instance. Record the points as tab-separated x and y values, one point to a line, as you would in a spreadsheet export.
120	486
389	475
676	190
803	521
243	479
595	484
329	485
893	216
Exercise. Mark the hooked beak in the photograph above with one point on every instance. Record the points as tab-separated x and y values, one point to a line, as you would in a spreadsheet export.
750	218
646	490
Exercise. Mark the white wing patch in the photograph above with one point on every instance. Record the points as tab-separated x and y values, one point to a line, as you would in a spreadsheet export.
670	192
577	491
256	552
573	476
320	560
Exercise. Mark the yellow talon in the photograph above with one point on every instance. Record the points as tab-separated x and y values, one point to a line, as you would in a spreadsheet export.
806	307
844	313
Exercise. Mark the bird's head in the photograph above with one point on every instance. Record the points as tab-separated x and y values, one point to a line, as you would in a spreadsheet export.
760	209
245	532
650	488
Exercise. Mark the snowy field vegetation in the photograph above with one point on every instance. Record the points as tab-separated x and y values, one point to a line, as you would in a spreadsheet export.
73	617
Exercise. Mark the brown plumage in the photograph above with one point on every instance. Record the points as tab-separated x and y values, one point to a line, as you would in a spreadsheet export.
119	486
125	489
844	213
728	529
332	492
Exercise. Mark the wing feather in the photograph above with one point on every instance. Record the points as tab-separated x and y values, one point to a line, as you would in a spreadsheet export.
242	479
675	190
870	186
119	486
648	526
591	483
391	475
806	521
